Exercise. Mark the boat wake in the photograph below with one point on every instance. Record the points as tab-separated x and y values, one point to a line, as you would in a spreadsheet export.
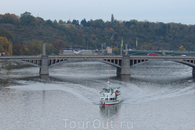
132	93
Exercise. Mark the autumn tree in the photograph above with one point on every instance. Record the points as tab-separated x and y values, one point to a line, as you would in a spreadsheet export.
1	44
4	44
9	18
58	44
181	48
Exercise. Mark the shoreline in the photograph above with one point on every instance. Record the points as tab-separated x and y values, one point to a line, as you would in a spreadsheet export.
5	66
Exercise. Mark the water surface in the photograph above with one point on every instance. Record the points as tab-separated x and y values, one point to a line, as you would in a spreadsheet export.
159	95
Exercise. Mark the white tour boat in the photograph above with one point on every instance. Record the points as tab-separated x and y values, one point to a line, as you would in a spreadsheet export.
111	96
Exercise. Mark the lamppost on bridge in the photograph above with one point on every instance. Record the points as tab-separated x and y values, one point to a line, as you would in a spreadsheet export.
122	46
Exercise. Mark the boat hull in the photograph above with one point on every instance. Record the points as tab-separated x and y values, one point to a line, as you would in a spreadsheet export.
104	102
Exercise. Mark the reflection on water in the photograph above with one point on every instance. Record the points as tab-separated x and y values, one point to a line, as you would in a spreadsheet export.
110	114
109	110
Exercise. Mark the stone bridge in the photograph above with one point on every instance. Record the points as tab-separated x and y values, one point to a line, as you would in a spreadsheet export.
122	63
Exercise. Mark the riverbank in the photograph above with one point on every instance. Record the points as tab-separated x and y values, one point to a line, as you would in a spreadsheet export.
10	65
5	66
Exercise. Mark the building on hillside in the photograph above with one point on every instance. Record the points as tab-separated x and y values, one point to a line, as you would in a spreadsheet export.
86	52
67	52
77	52
109	50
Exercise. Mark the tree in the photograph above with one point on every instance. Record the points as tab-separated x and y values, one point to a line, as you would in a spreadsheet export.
181	48
26	18
112	18
84	22
115	50
50	49
55	22
16	49
6	34
99	23
75	22
9	18
61	22
35	47
10	50
50	23
1	44
4	43
58	44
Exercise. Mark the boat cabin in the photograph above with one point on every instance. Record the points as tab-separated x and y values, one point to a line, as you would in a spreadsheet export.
110	93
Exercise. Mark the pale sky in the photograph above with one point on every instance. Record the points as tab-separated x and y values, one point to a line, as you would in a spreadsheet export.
178	11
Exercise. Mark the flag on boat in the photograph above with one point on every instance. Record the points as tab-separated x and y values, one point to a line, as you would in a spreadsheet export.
108	82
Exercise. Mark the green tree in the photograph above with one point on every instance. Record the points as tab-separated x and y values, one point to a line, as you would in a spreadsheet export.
35	47
75	22
115	50
50	23
5	33
50	49
112	18
16	49
26	18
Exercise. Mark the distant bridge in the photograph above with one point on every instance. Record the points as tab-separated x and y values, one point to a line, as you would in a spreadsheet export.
122	63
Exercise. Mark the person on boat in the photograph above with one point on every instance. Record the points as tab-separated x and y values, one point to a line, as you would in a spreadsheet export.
116	94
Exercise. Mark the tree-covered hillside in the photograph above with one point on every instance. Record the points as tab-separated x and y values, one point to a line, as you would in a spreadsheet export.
27	33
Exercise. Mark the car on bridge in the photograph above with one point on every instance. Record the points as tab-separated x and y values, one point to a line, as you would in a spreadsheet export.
152	54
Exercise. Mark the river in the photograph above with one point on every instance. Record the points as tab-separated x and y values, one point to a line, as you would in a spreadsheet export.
160	95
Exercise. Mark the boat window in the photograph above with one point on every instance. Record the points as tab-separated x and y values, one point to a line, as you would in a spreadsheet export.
106	98
110	98
107	91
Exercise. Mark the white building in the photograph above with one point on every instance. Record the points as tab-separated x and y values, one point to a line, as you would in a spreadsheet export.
109	50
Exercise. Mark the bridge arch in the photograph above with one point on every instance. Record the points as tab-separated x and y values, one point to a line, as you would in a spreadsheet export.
85	60
181	61
178	61
20	61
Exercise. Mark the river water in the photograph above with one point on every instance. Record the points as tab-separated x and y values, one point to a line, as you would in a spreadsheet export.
160	95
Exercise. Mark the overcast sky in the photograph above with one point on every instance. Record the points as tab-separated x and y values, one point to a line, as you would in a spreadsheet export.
178	11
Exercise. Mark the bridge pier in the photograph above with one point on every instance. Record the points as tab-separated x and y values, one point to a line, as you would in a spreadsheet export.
125	67
193	71
44	70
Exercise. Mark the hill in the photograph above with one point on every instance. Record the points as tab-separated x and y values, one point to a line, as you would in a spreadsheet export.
28	31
